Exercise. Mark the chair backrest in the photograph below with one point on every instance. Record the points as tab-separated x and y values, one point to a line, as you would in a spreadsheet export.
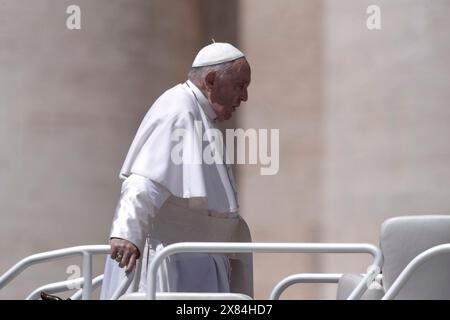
401	240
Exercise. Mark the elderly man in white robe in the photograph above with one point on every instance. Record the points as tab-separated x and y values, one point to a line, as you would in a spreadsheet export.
163	201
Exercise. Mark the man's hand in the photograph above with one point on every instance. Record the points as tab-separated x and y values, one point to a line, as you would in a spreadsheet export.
124	252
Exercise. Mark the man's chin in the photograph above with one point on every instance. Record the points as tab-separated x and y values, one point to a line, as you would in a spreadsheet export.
224	117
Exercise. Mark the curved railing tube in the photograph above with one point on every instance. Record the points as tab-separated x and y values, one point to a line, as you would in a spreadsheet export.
247	247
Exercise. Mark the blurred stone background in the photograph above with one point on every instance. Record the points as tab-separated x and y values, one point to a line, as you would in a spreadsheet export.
363	120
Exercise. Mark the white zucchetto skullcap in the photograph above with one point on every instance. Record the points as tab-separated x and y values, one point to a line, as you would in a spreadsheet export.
215	53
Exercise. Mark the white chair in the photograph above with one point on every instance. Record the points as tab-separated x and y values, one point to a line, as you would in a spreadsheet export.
416	252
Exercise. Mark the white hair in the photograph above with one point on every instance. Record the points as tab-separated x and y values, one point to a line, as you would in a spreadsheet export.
199	73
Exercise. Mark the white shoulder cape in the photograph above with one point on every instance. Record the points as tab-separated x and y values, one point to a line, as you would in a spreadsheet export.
150	153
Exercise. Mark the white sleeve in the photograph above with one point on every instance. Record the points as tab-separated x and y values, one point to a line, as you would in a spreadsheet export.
140	200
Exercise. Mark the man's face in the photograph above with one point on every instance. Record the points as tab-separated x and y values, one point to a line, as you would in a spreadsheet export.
228	91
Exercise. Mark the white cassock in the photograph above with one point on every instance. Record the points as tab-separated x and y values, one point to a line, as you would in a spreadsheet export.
164	201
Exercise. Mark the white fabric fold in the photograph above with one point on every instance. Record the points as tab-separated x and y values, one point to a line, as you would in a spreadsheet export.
138	205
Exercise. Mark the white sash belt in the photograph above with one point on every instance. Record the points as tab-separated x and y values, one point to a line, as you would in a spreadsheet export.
179	224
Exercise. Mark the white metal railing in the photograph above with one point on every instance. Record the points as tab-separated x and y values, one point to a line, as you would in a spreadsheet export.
187	296
309	278
303	278
248	247
64	286
96	282
88	285
86	252
413	266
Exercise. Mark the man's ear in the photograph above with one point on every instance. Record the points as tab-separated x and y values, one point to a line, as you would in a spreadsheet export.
210	79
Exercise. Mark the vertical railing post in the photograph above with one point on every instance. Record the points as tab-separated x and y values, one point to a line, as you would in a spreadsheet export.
87	275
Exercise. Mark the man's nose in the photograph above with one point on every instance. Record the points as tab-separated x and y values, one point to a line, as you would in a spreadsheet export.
244	96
